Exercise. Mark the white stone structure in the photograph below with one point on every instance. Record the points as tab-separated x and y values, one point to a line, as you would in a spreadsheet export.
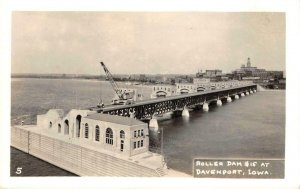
198	85
184	88
162	91
122	135
90	144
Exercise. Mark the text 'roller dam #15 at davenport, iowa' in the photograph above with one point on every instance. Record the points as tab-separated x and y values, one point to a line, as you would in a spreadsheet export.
113	139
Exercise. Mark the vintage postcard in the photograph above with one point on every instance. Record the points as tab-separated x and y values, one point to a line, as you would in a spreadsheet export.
188	95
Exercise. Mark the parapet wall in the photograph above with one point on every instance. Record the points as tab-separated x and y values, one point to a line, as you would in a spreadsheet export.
74	158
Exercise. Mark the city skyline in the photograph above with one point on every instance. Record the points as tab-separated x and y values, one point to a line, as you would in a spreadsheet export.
145	43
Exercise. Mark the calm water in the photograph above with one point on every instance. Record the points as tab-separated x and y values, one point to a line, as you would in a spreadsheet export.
251	127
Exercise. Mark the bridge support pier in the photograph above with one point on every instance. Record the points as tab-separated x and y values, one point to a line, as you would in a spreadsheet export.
132	114
153	124
251	92
205	107
236	97
247	93
242	94
229	99
185	112
219	102
254	91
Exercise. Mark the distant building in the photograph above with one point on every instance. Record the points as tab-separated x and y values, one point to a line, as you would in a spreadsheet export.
249	71
224	77
160	78
275	74
183	79
213	73
200	80
199	74
230	76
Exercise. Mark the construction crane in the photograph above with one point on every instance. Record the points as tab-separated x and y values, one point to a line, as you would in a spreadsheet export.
111	80
123	97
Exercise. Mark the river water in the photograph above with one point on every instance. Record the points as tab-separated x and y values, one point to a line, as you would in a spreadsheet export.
251	127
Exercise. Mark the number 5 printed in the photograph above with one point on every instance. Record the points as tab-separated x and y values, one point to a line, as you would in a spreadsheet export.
19	170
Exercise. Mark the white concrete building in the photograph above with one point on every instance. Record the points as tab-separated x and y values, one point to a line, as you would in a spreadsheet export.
122	135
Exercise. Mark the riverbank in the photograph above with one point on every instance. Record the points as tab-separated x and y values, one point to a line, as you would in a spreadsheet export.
262	89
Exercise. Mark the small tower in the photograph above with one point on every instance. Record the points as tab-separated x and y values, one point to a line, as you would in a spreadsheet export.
248	63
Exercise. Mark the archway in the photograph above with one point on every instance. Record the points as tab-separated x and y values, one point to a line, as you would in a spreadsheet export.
200	89
161	94
59	128
184	91
109	136
66	127
97	133
78	123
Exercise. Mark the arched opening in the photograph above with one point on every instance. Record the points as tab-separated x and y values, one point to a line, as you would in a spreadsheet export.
86	131
161	94
122	134
184	91
200	89
59	128
66	126
78	122
109	136
97	133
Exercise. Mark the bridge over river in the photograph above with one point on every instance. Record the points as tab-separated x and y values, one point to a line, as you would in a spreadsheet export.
146	109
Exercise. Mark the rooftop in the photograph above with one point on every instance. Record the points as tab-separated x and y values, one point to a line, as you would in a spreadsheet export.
115	119
60	112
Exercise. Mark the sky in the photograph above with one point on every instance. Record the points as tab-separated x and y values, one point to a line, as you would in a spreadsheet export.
145	42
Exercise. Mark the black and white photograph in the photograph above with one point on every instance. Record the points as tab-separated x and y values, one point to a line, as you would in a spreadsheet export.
149	94
137	94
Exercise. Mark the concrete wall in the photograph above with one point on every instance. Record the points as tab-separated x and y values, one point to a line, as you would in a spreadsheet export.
76	159
19	138
136	139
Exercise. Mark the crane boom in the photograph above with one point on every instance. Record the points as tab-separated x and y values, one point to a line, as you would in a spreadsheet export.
111	80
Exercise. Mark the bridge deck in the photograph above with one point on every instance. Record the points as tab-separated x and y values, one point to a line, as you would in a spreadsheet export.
157	100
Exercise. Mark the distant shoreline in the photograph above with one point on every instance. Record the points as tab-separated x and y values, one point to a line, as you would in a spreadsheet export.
95	79
57	76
